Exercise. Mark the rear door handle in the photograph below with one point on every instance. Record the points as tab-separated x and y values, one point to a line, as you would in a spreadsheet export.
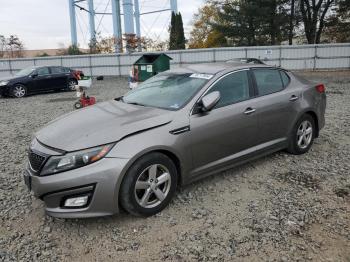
249	111
293	98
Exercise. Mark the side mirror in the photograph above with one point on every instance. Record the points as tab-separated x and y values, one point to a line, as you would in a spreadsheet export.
34	75
209	101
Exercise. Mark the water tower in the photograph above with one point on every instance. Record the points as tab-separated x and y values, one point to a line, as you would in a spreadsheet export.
131	18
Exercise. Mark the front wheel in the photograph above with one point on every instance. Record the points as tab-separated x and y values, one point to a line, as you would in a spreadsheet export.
78	105
19	91
149	185
302	136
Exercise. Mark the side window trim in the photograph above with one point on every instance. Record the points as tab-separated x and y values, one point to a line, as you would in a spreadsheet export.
217	80
256	85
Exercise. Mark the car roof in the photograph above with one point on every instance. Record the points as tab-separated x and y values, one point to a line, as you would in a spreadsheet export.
213	68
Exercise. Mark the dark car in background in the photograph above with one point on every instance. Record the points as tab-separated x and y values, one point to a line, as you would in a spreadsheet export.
38	79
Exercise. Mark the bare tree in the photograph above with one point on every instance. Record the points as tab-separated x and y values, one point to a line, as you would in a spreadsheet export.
314	14
14	47
2	46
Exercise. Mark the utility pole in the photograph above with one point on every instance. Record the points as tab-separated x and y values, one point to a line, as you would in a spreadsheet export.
137	24
92	21
128	17
117	28
173	6
73	23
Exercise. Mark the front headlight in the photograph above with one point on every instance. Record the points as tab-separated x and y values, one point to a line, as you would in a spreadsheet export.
3	83
56	164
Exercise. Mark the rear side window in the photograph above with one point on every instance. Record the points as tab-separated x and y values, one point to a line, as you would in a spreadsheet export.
57	70
65	69
43	71
285	78
233	88
268	81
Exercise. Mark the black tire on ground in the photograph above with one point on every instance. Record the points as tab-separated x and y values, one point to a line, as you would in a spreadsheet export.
295	146
19	91
78	105
129	195
71	84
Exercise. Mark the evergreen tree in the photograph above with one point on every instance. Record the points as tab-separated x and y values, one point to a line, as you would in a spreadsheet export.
251	22
177	36
172	40
180	34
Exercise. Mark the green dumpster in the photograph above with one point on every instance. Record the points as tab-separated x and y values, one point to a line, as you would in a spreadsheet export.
151	64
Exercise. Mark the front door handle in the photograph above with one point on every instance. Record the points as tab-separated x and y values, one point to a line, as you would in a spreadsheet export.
249	111
293	98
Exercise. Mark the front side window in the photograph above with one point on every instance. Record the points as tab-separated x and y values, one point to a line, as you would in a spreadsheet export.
268	81
168	91
233	88
43	71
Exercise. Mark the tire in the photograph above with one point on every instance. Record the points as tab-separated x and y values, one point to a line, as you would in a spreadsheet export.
302	136
78	105
71	84
19	91
152	195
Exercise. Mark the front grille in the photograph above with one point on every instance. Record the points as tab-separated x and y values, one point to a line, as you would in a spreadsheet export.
36	161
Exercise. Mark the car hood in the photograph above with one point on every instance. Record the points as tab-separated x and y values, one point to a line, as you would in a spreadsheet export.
100	124
9	78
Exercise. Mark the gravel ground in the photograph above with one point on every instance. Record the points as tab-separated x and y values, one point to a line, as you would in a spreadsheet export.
279	208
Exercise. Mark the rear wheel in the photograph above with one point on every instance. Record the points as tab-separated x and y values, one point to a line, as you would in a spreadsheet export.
149	185
303	135
19	91
71	84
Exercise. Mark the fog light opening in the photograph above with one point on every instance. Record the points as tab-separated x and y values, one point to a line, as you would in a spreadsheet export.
76	201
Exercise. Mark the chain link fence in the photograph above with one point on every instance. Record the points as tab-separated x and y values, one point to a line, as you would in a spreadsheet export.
295	57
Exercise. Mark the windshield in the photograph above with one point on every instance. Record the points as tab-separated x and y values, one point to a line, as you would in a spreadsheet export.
168	91
25	71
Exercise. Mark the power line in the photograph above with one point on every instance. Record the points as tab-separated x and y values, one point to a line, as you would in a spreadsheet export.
98	26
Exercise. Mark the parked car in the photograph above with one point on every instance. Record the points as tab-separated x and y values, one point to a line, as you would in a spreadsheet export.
177	127
38	79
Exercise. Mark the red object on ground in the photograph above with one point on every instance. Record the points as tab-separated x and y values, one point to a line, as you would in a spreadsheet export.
88	101
320	88
84	102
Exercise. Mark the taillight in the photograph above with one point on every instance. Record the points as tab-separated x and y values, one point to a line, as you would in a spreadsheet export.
320	88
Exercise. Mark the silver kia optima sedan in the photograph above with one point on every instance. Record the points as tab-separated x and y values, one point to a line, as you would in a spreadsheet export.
181	125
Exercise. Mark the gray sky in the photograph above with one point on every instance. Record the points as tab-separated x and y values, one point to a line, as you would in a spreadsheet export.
45	23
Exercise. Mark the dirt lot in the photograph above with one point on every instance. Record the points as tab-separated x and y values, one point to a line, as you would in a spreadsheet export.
279	208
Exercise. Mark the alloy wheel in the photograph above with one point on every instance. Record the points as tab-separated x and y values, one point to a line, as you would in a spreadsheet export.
152	186
19	91
304	134
71	85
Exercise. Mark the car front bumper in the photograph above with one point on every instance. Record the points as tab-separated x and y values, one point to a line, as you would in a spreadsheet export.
100	181
4	90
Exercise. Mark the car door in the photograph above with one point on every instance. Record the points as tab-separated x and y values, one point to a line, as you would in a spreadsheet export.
221	135
276	104
42	79
58	77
